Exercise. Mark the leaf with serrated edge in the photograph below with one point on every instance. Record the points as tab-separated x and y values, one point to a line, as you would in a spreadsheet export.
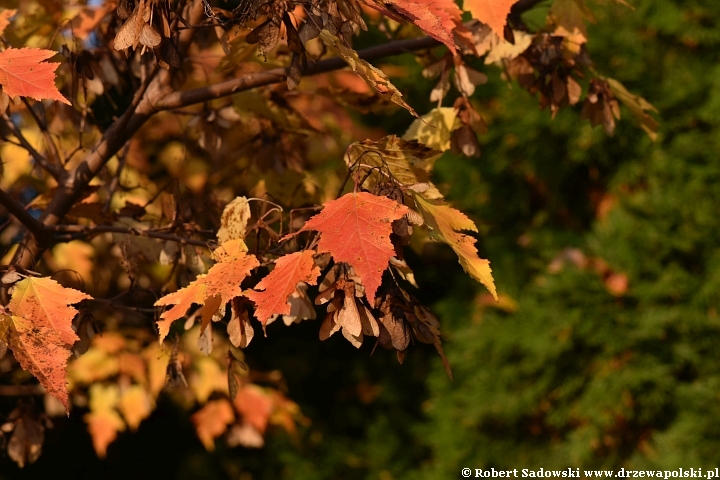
221	282
492	12
281	283
355	229
437	18
392	155
24	73
41	331
443	221
41	351
434	129
45	302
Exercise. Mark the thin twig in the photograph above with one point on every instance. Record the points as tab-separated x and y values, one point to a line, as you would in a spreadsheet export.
85	230
56	172
20	390
42	125
158	96
19	212
278	75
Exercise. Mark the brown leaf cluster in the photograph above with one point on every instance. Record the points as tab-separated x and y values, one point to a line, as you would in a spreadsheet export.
548	69
403	315
147	23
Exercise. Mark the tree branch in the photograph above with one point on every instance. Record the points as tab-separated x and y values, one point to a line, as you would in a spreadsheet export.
21	390
159	96
42	125
278	75
84	230
19	212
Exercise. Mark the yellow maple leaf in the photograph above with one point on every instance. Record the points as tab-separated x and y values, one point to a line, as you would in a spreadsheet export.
76	256
135	405
103	421
157	361
434	129
93	365
207	377
444	221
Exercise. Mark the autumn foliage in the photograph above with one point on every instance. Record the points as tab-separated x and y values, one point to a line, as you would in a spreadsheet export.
211	161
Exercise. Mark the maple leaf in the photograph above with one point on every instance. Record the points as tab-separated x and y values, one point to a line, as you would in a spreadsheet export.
5	17
491	12
39	330
355	229
399	156
281	283
434	129
135	405
212	420
255	406
443	221
211	290
436	18
486	42
103	421
24	73
373	76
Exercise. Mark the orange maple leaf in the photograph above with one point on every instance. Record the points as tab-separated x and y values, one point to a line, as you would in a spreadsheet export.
5	17
255	406
356	229
212	420
494	13
103	421
39	330
281	283
213	289
24	73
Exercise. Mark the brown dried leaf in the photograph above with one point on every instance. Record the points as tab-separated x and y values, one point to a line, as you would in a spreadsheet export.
239	328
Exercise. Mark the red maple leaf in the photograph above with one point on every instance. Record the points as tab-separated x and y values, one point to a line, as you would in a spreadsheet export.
356	229
494	13
437	18
281	283
24	73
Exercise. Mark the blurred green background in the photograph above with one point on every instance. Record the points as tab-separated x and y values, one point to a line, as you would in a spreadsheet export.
604	351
